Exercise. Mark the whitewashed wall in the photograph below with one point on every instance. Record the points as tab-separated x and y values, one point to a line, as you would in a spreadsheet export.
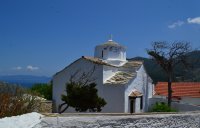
116	96
181	107
108	72
143	84
190	100
119	54
183	100
113	95
115	62
60	80
98	52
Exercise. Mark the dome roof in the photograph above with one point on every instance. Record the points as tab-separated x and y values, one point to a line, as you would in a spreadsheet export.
112	43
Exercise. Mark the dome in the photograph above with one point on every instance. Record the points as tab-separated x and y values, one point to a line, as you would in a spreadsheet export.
111	43
111	52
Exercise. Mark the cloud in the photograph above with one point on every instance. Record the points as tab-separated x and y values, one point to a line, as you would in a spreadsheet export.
31	68
17	68
195	20
176	24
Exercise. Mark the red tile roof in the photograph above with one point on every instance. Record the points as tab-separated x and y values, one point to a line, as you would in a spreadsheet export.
179	89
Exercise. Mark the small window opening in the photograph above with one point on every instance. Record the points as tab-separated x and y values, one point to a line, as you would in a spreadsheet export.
141	102
102	54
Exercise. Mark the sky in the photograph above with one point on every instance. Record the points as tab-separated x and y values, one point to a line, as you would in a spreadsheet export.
41	37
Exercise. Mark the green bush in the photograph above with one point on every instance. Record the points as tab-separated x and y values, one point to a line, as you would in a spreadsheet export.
82	98
43	90
162	107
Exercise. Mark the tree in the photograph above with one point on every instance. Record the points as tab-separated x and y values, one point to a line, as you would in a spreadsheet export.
82	98
82	94
168	56
43	89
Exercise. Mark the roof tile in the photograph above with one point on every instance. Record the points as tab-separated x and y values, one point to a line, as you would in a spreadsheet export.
179	89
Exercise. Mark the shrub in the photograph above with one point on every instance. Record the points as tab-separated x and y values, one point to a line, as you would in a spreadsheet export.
12	105
82	98
14	100
43	90
162	107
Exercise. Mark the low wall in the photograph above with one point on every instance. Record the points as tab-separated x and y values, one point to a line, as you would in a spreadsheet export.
185	107
45	106
181	107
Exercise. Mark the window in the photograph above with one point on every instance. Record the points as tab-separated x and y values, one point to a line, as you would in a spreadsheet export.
141	102
102	54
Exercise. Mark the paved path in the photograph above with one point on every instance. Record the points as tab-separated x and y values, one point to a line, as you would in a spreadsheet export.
186	120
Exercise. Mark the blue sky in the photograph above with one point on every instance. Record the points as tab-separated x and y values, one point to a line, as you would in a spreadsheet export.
41	37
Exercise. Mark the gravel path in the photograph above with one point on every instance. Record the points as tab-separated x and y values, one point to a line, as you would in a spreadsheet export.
187	120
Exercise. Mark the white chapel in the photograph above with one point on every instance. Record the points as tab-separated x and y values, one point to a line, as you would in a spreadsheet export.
124	84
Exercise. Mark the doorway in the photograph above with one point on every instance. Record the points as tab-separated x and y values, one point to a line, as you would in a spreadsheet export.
132	104
132	101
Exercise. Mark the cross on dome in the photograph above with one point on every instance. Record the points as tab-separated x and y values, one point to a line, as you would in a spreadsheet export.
110	37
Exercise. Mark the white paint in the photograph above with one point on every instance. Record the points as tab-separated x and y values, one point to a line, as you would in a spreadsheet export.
108	92
108	72
60	79
143	84
190	100
179	106
183	100
22	121
116	96
115	55
115	62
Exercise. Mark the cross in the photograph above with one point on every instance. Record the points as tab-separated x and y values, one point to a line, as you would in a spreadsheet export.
110	37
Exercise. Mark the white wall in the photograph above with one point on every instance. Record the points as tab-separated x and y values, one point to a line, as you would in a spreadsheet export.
113	95
189	100
115	62
116	96
60	80
143	84
108	72
181	107
114	54
98	52
109	53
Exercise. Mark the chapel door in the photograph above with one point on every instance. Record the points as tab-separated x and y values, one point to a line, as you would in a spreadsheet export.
132	105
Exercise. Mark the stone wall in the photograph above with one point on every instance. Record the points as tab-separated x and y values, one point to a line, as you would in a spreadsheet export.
185	107
45	106
181	107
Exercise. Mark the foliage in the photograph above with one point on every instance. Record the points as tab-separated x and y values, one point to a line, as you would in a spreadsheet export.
15	101
162	107
180	73
43	90
168	56
83	98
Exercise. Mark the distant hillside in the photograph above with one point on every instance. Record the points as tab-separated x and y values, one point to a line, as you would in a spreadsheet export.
25	80
10	88
192	73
